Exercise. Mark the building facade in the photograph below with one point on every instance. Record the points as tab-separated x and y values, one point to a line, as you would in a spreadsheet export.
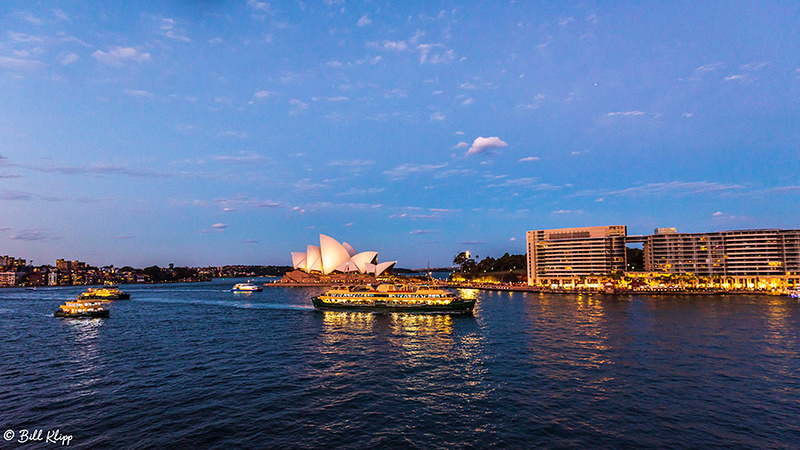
565	254
747	259
760	259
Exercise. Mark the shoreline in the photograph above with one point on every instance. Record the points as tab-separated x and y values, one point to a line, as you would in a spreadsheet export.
540	290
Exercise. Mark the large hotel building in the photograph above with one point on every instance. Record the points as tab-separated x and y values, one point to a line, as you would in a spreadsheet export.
737	259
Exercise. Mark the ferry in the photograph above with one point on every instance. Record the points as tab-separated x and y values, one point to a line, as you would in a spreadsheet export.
390	298
247	287
108	293
81	308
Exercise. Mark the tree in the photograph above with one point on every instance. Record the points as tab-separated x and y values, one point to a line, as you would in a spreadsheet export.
466	263
635	258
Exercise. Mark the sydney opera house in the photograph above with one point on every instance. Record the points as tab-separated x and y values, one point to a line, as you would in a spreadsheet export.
334	261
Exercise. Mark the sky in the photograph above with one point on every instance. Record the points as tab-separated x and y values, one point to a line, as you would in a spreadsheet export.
235	132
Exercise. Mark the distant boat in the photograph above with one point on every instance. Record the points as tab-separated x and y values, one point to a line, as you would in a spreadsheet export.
247	287
109	292
390	298
793	293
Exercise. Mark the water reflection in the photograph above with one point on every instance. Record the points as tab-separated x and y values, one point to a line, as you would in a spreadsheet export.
416	352
576	338
84	355
778	340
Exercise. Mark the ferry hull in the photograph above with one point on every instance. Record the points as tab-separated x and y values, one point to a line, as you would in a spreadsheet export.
87	314
455	307
121	296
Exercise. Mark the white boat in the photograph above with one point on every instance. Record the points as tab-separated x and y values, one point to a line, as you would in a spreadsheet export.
793	293
246	287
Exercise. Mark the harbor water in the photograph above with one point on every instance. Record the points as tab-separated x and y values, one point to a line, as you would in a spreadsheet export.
198	366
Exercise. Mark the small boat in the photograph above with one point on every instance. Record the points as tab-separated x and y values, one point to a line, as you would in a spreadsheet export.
247	287
389	298
109	293
81	308
793	293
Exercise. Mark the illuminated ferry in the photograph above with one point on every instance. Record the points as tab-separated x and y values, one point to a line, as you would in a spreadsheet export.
389	298
104	293
81	308
246	287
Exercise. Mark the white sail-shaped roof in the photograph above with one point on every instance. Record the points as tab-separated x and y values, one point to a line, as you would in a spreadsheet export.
347	267
331	256
362	259
350	250
299	260
380	268
313	258
333	253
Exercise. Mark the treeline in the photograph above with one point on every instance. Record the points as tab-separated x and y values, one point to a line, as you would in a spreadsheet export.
507	268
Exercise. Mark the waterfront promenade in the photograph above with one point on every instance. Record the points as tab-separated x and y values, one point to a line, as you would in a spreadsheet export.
539	289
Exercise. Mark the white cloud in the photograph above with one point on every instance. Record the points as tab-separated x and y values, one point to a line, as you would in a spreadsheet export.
19	64
405	170
395	45
460	145
138	93
240	158
219	226
625	113
529	158
298	106
61	15
258	6
334	64
734	77
482	144
709	67
672	188
718	214
167	24
753	66
118	56
262	95
467	102
68	59
438	117
364	21
33	19
22	37
177	35
369	60
422	232
232	133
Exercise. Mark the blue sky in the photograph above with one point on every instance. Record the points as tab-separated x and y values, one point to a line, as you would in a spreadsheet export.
234	132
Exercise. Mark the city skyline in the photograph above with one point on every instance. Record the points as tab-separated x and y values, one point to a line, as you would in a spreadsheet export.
213	133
